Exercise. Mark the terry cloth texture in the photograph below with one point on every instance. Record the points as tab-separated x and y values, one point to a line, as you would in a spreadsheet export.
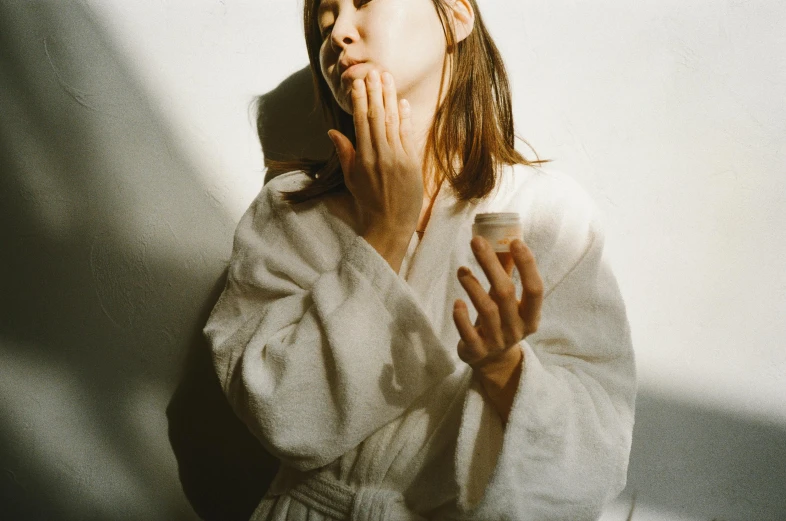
348	373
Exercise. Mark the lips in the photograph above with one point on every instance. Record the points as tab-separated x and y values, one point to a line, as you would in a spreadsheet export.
346	63
351	72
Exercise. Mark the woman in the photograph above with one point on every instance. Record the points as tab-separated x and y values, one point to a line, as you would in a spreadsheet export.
342	338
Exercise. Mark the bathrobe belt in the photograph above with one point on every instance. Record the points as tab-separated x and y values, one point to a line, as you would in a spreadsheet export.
337	500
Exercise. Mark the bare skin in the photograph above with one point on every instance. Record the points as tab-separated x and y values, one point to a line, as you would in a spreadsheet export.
385	177
491	345
390	204
404	38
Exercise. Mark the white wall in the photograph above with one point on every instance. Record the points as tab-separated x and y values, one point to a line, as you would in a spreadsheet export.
129	152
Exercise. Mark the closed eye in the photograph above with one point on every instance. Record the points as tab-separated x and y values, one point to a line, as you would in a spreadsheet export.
326	30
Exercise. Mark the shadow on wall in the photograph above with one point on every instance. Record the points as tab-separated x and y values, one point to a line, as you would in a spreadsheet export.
111	258
223	469
110	251
288	124
695	463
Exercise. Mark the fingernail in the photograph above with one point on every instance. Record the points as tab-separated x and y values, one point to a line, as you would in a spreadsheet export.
387	79
373	76
405	108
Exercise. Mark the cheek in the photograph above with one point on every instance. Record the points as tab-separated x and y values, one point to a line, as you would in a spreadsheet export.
322	61
410	44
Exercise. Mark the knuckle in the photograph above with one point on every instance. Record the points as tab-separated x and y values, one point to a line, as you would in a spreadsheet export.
509	341
386	166
464	348
535	288
513	333
489	307
367	164
499	340
474	355
507	291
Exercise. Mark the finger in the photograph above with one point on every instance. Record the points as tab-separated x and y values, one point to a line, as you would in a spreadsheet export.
360	115
502	291
405	129
376	112
470	348
488	311
344	150
532	285
391	110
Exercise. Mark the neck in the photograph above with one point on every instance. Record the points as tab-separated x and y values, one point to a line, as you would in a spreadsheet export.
428	205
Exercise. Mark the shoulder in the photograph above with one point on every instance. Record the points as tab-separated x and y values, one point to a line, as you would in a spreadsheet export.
265	211
326	220
560	219
542	193
273	190
287	181
549	185
269	201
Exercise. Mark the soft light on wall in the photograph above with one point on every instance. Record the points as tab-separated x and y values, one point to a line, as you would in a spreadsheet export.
130	150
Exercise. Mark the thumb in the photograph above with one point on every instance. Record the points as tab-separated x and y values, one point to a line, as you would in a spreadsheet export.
344	150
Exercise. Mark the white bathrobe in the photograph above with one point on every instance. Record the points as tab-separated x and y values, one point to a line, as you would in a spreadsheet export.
348	372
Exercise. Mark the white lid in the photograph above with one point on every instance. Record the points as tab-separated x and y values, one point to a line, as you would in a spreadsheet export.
497	217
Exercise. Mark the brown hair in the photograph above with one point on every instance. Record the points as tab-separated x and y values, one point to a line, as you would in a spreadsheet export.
475	118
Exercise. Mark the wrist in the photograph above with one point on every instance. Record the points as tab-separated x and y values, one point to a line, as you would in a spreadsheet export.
498	371
390	244
500	380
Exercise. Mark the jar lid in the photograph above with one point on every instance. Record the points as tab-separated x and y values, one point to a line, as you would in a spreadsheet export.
497	218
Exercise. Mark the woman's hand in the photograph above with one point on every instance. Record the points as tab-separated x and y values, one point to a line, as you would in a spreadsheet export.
384	174
503	321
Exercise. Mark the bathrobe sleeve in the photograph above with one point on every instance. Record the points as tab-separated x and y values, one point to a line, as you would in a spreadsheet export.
564	451
316	345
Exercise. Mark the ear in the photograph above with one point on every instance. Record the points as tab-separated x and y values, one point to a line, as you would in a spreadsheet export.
463	18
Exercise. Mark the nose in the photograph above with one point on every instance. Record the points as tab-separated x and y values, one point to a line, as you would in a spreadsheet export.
343	33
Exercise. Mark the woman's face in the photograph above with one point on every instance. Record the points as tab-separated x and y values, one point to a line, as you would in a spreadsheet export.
403	37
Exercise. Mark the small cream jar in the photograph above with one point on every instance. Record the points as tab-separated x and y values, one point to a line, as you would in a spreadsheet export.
500	229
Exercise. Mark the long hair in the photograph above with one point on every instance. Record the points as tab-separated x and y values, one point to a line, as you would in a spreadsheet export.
474	122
